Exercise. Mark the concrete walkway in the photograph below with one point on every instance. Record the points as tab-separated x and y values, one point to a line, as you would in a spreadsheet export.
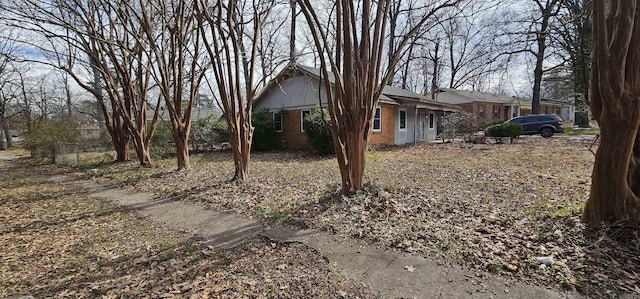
390	273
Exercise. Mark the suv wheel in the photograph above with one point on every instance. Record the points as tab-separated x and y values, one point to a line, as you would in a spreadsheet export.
546	132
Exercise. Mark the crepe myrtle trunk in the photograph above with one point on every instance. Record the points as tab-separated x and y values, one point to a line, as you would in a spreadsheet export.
181	139
120	141
241	136
615	103
616	171
142	151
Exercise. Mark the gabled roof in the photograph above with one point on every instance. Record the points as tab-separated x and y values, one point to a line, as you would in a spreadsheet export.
390	95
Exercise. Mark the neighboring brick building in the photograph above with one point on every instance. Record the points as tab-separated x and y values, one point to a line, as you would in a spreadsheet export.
490	108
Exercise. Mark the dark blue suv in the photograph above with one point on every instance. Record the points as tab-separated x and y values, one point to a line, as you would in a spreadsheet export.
543	124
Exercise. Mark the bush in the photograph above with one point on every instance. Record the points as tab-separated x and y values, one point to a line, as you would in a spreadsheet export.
506	129
318	132
205	133
162	141
41	141
264	134
458	122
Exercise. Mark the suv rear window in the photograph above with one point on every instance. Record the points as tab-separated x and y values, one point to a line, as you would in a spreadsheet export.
546	118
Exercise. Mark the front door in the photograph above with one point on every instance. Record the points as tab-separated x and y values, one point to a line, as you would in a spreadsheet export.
422	126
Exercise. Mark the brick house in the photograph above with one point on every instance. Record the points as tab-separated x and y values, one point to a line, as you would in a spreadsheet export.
490	108
402	116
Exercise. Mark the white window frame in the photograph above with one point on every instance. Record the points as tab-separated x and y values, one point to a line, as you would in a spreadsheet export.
432	121
373	121
281	121
302	118
400	128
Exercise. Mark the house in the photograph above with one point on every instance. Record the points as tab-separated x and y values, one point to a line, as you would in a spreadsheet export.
402	116
490	108
89	132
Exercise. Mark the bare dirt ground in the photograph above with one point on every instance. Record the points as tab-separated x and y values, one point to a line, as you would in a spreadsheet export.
513	209
56	241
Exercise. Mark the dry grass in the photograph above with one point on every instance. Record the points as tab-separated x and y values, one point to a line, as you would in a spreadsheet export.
487	207
56	242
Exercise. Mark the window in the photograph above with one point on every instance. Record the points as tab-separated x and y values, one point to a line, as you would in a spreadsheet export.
377	120
432	119
496	112
481	111
403	119
303	114
277	121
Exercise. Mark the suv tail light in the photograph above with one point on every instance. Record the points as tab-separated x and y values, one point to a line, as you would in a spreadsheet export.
560	121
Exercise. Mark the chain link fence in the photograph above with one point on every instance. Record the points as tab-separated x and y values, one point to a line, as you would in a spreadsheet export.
67	154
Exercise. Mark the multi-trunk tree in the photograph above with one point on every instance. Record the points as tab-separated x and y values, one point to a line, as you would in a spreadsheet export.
615	103
175	43
357	66
231	33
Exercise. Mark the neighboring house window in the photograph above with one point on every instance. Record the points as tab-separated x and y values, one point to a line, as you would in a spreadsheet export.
403	119
277	121
432	119
303	114
481	111
557	112
377	120
496	111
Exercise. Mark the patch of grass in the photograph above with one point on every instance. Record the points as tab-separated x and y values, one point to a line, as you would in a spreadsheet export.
569	210
277	214
577	131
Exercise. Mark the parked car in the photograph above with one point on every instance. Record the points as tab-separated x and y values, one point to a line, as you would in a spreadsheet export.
544	124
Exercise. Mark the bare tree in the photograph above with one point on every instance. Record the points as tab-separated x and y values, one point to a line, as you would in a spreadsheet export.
469	43
7	53
356	65
175	43
615	103
573	34
233	32
60	31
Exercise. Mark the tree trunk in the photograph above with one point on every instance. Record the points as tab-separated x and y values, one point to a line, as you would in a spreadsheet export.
615	179
241	137
615	103
354	160
537	81
120	140
142	151
181	139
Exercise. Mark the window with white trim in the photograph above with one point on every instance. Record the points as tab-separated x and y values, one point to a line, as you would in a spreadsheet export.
277	121
377	120
402	118
303	114
432	120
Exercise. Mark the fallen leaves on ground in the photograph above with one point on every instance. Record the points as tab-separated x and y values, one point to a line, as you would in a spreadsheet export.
493	208
56	242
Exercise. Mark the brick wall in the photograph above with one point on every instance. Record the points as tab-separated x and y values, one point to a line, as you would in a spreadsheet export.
292	131
297	140
387	130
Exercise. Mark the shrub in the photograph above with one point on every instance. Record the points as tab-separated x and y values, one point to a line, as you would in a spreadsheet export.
205	133
162	141
41	140
264	134
458	122
506	129
318	132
